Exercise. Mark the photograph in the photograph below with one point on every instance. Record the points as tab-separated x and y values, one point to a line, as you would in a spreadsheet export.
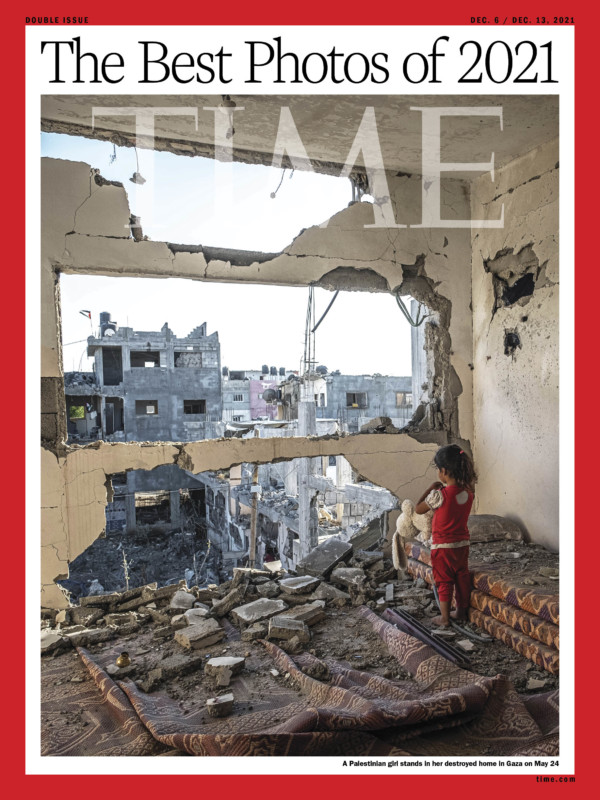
300	419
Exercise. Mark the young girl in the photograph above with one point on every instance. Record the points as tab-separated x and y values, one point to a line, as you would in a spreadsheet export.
451	499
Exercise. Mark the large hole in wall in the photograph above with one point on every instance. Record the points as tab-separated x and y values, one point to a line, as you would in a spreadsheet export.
516	275
189	361
180	203
167	524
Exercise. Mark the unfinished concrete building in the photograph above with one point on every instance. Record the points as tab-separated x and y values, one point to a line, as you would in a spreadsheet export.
351	399
154	386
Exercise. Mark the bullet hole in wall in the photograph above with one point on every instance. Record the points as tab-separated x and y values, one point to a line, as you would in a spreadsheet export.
512	341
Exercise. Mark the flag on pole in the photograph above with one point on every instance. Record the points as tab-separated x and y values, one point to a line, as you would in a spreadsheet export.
87	314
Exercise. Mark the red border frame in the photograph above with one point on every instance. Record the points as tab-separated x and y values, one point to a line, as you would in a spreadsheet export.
311	13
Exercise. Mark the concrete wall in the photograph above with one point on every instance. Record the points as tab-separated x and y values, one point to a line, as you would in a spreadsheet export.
515	380
84	230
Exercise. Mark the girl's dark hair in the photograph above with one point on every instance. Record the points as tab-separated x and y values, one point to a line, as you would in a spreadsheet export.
457	464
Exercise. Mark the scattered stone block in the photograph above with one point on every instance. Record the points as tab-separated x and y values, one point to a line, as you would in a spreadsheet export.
258	610
309	613
201	634
50	641
232	599
87	615
389	593
194	615
120	619
466	645
182	600
222	669
119	672
286	627
535	683
348	576
179	621
303	584
268	589
330	593
205	595
220	706
322	560
162	632
272	566
245	574
257	631
91	636
549	572
102	600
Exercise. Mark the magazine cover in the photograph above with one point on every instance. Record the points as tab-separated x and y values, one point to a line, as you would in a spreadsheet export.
304	486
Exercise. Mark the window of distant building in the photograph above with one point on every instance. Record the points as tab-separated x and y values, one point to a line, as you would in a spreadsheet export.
238	398
403	399
194	406
144	358
356	400
145	408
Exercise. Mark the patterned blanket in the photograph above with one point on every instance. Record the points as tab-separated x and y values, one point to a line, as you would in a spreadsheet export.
545	657
443	711
517	619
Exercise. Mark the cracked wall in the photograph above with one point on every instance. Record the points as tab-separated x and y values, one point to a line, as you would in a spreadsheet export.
515	341
85	229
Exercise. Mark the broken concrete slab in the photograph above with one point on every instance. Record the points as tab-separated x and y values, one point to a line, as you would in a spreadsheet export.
258	610
257	631
285	628
220	706
329	593
466	645
224	606
246	574
120	619
389	593
194	615
179	621
310	613
85	616
92	636
50	641
322	560
348	576
202	634
102	600
268	589
224	668
182	600
302	584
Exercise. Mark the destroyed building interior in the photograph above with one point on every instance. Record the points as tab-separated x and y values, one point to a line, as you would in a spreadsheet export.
294	625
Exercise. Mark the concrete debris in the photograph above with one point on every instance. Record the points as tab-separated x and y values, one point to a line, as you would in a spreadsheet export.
379	425
301	585
327	592
466	645
256	631
322	560
182	600
51	641
179	621
310	613
194	615
220	706
549	572
389	593
222	669
535	683
348	576
201	634
231	599
285	628
268	589
257	611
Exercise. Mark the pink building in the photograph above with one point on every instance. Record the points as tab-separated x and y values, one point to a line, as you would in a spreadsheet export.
258	406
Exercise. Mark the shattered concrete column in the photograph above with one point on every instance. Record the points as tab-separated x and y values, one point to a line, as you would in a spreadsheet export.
130	512
343	472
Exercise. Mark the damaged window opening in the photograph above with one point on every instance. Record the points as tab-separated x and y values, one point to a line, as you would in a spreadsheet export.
146	359
112	366
177	369
253	220
191	360
171	525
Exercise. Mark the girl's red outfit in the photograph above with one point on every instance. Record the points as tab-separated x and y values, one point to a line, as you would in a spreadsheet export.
450	544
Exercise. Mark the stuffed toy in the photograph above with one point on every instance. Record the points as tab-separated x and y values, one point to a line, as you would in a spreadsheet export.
410	526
